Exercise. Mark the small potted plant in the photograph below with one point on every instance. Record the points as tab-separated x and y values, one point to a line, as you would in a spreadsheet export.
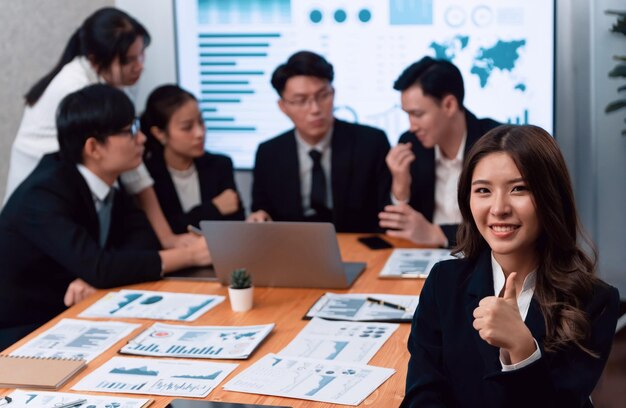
240	291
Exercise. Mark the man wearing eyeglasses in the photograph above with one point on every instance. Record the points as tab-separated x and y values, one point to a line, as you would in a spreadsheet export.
70	226
324	169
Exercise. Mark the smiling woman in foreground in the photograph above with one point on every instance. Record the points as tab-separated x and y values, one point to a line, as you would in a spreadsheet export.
521	320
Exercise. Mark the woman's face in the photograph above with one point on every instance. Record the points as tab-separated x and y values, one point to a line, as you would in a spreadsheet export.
185	131
120	74
503	207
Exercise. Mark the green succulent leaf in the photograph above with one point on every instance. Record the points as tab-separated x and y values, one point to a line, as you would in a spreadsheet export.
240	279
618	71
615	13
615	105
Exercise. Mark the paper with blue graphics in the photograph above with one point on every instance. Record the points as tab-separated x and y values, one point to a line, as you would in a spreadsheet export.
413	263
143	304
310	379
43	399
339	341
76	339
181	378
355	307
229	342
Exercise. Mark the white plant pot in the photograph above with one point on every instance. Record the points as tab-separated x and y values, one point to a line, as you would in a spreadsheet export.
240	299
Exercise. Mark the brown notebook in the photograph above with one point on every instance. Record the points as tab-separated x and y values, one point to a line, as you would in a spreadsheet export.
29	372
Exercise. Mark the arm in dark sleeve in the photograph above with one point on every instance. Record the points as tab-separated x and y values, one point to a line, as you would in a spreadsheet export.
260	199
53	229
566	377
449	231
383	176
426	384
227	180
132	230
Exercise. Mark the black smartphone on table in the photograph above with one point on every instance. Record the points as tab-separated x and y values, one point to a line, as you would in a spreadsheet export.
374	242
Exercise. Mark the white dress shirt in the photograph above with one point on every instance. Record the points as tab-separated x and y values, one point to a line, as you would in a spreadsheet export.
523	303
306	170
37	134
447	173
187	186
99	189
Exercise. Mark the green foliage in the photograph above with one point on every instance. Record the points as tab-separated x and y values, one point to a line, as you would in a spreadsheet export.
620	24
240	279
619	71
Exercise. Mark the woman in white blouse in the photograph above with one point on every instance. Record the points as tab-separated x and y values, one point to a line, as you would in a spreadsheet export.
107	48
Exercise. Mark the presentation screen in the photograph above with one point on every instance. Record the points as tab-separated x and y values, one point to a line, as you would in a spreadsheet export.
228	49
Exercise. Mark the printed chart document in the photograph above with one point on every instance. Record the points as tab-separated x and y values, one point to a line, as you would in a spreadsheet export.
310	379
181	378
413	263
143	304
356	307
43	399
167	340
76	339
352	342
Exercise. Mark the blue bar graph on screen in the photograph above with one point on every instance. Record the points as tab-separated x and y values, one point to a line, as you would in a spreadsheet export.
244	11
226	83
519	120
410	12
229	61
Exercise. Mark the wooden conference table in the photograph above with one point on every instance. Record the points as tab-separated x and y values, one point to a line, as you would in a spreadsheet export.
284	307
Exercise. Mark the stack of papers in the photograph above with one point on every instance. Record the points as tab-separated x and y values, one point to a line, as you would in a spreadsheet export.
356	307
310	379
144	304
413	263
166	340
157	377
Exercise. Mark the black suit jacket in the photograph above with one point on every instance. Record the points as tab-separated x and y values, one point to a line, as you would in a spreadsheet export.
423	170
215	174
359	177
49	233
451	366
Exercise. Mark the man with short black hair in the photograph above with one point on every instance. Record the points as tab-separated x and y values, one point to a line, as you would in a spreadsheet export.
70	226
426	163
325	169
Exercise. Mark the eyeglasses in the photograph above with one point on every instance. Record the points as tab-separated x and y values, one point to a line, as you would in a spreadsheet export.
133	131
321	98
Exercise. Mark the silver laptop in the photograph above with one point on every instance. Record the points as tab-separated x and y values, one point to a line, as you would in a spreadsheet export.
287	254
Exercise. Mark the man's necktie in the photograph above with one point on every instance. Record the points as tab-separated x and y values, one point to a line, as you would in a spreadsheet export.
318	182
104	216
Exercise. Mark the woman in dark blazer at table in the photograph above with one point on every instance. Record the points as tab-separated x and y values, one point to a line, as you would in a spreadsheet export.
191	184
521	319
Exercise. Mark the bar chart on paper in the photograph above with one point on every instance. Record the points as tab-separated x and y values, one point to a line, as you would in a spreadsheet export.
165	340
160	377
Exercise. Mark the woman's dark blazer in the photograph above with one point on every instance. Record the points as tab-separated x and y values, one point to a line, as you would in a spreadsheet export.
215	174
451	366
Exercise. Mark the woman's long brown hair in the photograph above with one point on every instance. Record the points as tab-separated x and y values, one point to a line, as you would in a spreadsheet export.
565	275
